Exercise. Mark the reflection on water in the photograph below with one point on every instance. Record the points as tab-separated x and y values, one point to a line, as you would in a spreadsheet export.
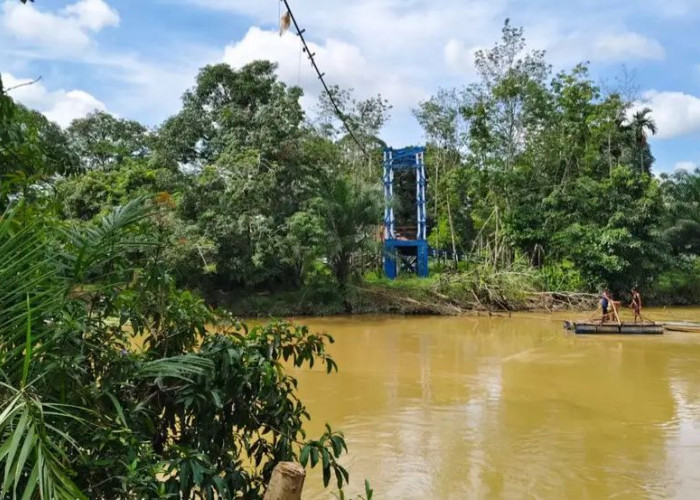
509	408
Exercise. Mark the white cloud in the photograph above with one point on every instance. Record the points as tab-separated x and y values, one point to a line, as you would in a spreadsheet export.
256	9
148	90
67	106
598	43
417	30
60	106
144	89
410	32
685	165
628	45
92	14
564	48
67	31
404	49
344	63
675	113
459	57
407	50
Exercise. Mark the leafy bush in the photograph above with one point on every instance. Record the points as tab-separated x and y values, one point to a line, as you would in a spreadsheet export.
680	285
486	285
119	385
561	276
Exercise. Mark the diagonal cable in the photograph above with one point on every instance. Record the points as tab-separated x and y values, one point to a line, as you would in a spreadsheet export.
341	116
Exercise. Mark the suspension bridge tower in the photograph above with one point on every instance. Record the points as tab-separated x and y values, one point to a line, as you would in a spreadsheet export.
405	247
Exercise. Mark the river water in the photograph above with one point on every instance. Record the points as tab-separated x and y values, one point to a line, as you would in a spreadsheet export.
466	407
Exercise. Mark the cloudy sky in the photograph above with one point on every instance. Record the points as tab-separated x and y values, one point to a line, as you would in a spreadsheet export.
134	58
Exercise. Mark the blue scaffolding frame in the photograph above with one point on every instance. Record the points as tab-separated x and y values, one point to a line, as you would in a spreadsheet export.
405	253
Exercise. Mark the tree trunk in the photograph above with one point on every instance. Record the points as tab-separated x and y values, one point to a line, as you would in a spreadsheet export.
341	267
452	232
286	482
609	155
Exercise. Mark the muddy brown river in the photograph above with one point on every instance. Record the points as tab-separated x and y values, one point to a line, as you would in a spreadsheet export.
465	407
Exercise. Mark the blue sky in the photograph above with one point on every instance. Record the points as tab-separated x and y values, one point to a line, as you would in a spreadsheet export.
134	58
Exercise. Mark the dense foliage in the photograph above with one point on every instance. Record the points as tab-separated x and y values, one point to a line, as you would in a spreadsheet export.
523	165
259	195
115	382
553	170
87	413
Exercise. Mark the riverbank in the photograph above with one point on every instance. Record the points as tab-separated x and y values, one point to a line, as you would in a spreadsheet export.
443	295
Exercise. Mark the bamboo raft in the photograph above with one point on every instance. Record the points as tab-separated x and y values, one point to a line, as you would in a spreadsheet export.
624	328
682	326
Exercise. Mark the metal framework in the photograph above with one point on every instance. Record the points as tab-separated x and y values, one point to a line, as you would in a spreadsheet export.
411	254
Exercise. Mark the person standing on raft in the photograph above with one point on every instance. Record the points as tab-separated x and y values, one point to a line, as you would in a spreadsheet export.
604	302
636	304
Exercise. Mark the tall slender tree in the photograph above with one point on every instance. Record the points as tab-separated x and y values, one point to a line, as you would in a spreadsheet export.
640	124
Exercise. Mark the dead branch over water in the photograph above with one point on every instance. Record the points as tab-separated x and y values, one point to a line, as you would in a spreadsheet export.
485	298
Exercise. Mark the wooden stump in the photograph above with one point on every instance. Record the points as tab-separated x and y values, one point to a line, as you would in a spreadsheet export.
286	482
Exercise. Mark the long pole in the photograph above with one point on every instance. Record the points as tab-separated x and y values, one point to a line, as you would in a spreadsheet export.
612	302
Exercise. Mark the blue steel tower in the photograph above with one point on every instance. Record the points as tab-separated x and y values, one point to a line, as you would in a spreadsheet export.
405	251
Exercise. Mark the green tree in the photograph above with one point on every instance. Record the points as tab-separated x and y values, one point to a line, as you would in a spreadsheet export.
639	125
233	110
32	150
445	127
98	191
113	387
365	118
303	243
502	106
614	238
244	206
543	169
103	141
351	214
681	191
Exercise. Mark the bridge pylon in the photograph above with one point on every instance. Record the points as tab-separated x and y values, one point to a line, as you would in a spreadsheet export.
405	248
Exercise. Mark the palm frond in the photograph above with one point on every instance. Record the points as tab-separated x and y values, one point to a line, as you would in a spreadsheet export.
29	283
41	262
181	367
32	451
93	247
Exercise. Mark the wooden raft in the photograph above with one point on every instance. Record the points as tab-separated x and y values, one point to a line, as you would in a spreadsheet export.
682	326
624	328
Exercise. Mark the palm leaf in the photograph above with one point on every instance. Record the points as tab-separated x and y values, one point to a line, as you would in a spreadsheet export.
91	248
32	451
30	291
40	262
181	367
